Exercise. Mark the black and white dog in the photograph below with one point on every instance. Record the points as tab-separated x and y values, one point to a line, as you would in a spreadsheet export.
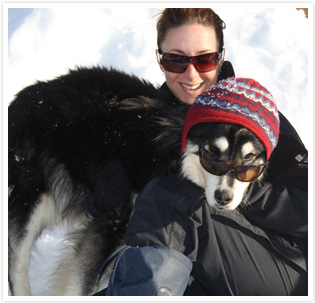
100	134
206	165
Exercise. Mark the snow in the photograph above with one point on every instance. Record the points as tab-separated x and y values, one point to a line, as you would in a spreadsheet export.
271	43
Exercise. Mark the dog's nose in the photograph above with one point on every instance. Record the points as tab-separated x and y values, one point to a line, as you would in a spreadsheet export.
223	197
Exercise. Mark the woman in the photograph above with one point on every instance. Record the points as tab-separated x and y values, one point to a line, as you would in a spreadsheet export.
198	33
261	251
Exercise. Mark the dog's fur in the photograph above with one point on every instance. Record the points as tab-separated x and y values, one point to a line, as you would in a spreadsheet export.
99	135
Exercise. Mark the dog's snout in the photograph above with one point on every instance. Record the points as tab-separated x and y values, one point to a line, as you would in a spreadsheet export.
223	197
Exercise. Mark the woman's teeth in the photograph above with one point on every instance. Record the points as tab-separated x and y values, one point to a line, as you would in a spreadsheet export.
191	87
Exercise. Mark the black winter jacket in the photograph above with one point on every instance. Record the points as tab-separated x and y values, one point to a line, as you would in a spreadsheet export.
172	212
287	182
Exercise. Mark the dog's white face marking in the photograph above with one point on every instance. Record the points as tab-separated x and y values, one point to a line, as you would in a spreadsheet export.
220	183
222	143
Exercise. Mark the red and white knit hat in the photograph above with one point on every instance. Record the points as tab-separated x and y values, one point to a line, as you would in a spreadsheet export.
239	101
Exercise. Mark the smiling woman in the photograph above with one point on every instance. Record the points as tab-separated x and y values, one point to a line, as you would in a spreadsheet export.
190	33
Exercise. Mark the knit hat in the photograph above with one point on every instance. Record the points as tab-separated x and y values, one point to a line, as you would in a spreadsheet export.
237	101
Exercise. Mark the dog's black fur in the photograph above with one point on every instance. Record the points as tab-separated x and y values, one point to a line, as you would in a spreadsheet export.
70	136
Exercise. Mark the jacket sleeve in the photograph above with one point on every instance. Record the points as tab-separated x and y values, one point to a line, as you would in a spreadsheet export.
281	203
162	216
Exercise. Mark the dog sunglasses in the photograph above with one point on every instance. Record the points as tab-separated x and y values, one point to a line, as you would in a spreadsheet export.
216	166
177	63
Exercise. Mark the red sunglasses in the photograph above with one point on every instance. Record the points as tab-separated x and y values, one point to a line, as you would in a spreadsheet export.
216	166
177	63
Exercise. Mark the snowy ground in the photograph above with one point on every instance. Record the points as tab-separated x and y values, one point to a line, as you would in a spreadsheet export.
269	43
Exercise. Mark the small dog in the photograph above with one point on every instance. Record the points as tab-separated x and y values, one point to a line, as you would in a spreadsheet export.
100	135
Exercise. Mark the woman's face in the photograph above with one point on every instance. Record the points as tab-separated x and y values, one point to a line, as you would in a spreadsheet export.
190	40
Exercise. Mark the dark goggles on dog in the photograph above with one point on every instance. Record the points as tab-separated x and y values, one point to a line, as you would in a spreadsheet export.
216	166
177	63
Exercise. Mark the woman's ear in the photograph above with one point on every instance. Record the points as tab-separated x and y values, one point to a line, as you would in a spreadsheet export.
222	59
158	58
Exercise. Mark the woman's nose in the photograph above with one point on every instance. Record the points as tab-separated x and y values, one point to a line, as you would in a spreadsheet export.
191	72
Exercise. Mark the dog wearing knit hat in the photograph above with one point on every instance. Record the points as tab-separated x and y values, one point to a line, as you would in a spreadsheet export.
229	134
